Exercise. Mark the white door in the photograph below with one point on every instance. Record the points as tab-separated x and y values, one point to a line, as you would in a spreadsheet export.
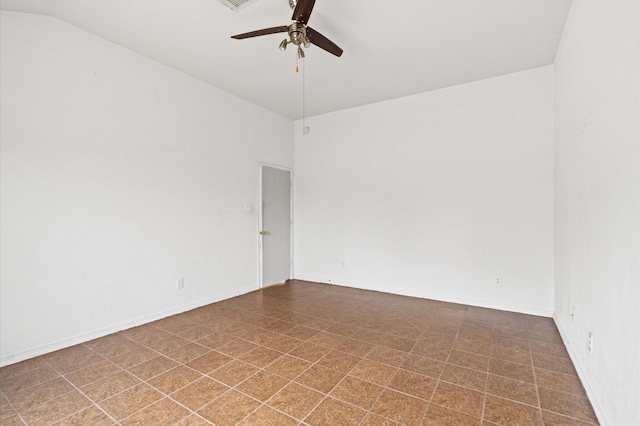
275	225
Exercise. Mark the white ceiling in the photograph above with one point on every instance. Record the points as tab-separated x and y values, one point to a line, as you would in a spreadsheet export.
391	49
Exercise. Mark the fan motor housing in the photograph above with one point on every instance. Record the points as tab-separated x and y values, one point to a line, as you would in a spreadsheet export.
298	33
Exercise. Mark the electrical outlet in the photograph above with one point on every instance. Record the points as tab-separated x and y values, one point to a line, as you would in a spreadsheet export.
180	283
498	280
590	343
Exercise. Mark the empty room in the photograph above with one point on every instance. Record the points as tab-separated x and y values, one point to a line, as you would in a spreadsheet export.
281	212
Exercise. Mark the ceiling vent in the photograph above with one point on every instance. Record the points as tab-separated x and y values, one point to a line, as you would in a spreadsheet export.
236	5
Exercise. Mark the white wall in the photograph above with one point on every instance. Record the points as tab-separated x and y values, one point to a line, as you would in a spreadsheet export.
119	175
597	117
433	195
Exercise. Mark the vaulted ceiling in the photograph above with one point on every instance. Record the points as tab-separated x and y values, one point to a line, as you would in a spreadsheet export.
391	49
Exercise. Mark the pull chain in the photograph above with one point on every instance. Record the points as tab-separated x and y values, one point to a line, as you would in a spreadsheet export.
304	128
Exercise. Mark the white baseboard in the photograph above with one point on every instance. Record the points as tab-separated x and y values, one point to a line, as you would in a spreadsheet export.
591	393
471	302
62	344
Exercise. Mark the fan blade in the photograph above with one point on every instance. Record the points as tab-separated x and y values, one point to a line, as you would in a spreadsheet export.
262	32
323	42
303	10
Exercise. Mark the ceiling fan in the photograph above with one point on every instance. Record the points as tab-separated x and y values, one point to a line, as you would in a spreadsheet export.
299	32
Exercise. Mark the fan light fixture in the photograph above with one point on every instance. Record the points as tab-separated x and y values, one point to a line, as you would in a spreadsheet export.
283	45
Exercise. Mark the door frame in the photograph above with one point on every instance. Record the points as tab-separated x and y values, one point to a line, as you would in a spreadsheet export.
261	165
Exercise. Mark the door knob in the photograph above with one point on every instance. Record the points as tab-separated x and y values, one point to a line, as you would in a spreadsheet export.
264	232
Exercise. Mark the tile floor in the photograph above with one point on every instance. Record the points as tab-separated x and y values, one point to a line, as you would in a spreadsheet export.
308	354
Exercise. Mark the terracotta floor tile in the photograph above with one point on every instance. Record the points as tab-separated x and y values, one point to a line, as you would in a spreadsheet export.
261	336
567	404
295	400
133	358
265	416
196	333
388	356
339	361
503	412
174	379
343	330
413	384
398	343
451	328
188	352
427	366
399	407
513	370
288	366
567	383
162	413
110	386
147	335
193	420
553	363
507	353
301	332
469	360
283	343
261	356
279	326
441	416
73	358
91	416
152	368
215	339
374	372
320	378
130	401
376	420
262	385
309	352
555	419
209	362
474	341
118	349
12	421
34	395
93	373
457	398
357	392
513	389
229	408
20	368
434	345
464	377
199	393
328	340
28	379
354	347
549	349
512	342
332	412
233	372
236	348
56	409
6	410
